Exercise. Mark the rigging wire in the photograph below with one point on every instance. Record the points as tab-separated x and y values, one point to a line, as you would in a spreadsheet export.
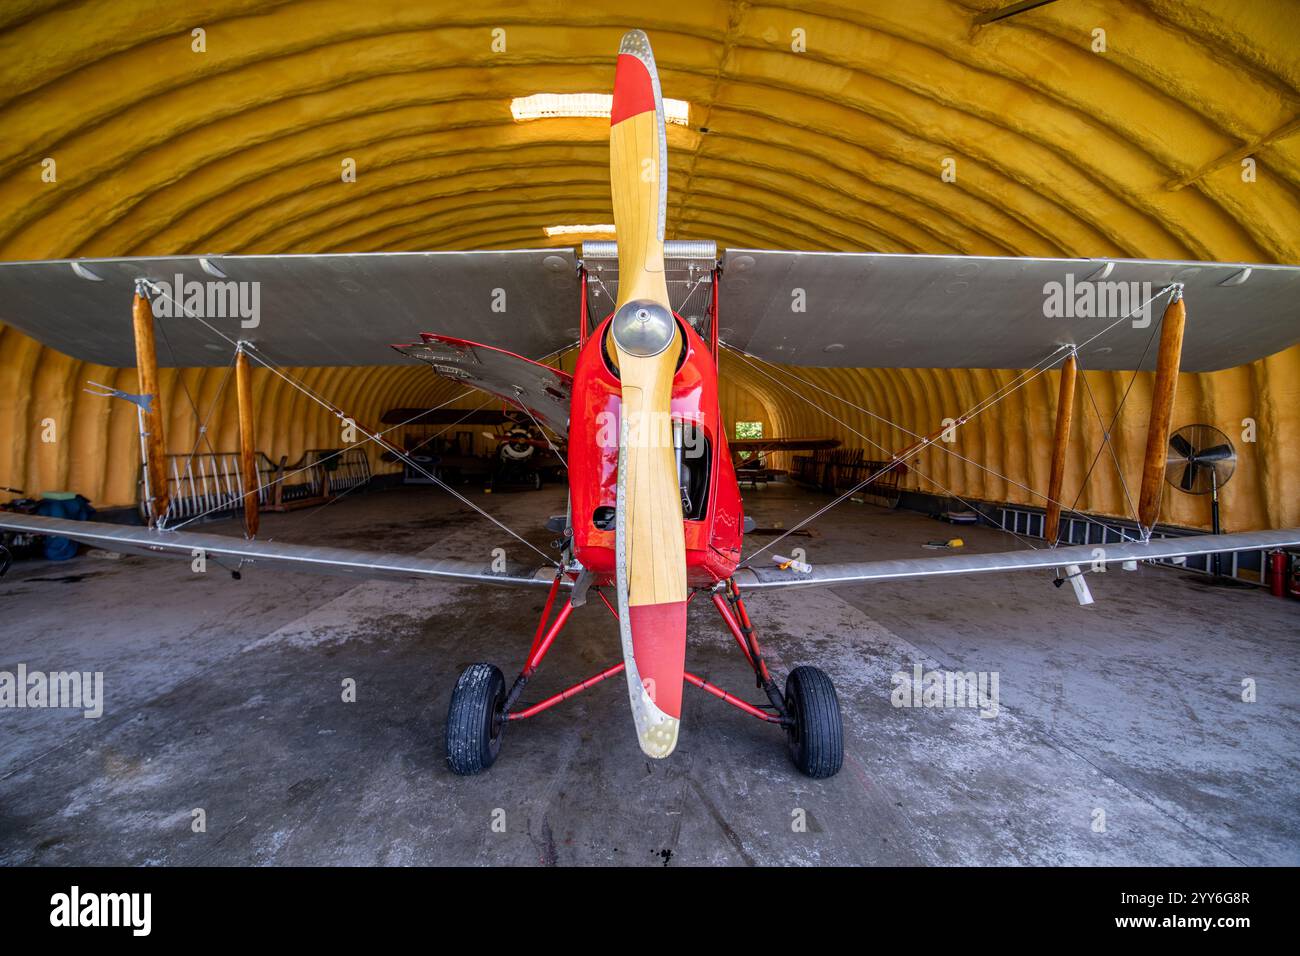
252	350
998	395
1106	442
330	457
414	448
529	413
184	385
928	443
980	406
871	478
1145	533
206	420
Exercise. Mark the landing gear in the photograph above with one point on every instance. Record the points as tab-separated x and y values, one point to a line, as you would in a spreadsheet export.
815	733
476	719
809	710
481	706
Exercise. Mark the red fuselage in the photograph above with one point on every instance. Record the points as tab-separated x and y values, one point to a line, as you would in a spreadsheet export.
713	529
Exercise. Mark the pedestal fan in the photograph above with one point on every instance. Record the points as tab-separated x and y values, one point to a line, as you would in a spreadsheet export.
1200	461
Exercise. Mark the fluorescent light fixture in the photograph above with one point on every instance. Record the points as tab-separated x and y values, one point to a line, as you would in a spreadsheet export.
603	229
594	105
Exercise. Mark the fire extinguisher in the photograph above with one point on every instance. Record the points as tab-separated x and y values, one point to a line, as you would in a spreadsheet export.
1283	578
1277	563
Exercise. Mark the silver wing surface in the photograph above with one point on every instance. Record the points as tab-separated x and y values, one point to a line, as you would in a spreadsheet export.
829	575
238	554
860	310
870	310
378	565
538	389
311	309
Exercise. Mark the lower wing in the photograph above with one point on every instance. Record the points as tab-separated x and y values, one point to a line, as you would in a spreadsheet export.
828	575
381	565
237	554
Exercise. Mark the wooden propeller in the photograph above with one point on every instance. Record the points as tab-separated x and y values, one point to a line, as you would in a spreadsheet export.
645	343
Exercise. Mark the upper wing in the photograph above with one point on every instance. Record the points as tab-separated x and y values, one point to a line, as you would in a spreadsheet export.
859	310
273	554
825	575
298	310
868	310
538	389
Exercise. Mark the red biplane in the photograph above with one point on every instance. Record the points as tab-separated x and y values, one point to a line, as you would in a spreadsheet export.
655	516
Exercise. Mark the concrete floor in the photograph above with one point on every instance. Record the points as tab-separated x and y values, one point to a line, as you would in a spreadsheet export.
226	696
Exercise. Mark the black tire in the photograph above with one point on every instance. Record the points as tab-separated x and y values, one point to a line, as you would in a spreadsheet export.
816	740
537	481
475	719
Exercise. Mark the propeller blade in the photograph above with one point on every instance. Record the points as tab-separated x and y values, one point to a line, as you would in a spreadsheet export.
1189	476
645	341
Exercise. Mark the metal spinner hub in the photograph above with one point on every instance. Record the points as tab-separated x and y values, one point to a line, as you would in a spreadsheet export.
643	328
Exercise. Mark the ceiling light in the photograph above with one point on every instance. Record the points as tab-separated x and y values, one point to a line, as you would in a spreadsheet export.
603	229
591	105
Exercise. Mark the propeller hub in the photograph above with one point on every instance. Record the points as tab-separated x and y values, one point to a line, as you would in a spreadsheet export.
643	328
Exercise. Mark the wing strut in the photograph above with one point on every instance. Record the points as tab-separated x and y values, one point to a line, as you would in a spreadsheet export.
247	442
1162	410
1060	440
247	348
152	444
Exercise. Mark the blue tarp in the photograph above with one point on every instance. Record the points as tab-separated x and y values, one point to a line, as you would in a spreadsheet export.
75	508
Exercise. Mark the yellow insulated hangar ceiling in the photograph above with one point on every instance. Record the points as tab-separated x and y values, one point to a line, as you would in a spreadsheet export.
1098	129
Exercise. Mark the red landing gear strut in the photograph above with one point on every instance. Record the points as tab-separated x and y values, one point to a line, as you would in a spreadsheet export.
809	710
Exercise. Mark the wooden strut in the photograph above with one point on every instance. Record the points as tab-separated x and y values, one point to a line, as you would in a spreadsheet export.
1162	409
247	442
156	494
1060	440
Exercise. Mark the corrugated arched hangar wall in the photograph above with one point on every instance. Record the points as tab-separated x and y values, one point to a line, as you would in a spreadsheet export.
1061	150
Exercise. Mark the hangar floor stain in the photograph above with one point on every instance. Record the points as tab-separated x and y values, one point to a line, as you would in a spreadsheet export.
226	696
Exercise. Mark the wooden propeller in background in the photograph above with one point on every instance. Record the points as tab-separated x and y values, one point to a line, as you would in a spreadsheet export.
645	342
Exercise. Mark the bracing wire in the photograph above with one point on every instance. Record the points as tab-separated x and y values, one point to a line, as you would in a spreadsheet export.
377	438
1002	392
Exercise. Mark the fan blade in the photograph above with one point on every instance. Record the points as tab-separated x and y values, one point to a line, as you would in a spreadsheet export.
1217	453
645	341
1180	445
1189	477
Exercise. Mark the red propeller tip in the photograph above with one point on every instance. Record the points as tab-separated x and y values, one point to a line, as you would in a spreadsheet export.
660	647
634	91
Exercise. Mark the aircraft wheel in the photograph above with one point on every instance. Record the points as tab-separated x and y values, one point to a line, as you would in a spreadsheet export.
537	481
475	720
816	739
